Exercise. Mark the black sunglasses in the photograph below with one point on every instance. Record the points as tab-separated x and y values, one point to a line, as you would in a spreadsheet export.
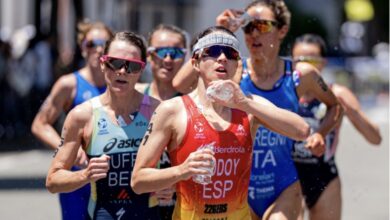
94	43
116	63
216	50
262	26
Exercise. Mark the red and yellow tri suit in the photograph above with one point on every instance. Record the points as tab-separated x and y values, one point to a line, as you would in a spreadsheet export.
226	197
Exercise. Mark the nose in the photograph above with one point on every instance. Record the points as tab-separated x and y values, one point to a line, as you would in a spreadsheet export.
222	57
168	58
99	49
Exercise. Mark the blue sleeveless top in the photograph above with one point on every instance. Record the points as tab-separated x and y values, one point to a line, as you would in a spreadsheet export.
84	90
112	197
273	169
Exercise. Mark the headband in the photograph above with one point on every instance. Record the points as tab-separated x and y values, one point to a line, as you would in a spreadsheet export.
216	39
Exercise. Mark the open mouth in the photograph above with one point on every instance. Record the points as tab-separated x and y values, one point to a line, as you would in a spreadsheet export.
120	81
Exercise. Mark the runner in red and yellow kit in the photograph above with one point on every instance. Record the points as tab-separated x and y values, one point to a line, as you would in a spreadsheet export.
185	124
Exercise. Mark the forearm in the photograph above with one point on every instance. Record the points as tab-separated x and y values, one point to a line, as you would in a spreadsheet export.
65	181
48	135
152	179
186	79
279	120
332	118
370	131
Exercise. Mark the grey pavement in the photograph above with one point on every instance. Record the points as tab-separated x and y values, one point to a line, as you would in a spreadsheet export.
364	171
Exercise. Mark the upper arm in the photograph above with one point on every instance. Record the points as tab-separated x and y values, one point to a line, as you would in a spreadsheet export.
58	101
158	135
312	83
349	100
73	136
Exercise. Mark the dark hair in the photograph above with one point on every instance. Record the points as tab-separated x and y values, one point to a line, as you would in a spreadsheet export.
209	31
278	7
312	39
170	28
84	27
131	38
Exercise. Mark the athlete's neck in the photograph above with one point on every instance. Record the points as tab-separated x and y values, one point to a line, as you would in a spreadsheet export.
93	75
162	90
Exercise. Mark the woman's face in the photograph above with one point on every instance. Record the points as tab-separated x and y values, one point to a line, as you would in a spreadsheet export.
165	68
93	46
308	52
263	42
118	77
217	66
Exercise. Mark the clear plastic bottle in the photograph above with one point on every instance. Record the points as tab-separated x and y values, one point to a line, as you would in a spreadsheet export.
224	93
205	179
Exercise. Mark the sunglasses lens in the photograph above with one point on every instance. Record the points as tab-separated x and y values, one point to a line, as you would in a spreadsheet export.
262	26
173	52
215	52
130	66
133	67
95	43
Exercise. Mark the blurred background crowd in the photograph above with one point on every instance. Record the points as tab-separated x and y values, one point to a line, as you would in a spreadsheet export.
38	45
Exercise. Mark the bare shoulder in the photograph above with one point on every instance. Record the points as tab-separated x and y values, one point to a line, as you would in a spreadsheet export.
81	114
66	82
171	107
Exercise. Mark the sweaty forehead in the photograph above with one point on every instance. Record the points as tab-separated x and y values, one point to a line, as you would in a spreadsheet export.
163	38
261	12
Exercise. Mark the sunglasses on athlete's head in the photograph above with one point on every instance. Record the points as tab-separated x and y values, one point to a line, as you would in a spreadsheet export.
94	43
313	60
216	50
116	63
262	26
173	52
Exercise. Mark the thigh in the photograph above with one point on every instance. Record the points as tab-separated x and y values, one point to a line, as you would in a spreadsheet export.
328	206
287	205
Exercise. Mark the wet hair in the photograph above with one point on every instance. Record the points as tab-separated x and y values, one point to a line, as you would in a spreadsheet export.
84	27
312	39
169	28
210	30
131	38
279	9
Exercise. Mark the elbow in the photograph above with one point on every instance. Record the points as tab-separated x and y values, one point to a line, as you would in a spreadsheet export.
50	185
136	185
34	128
377	140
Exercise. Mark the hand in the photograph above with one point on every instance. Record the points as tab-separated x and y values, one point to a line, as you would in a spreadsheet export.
316	144
197	163
227	19
97	168
226	86
81	159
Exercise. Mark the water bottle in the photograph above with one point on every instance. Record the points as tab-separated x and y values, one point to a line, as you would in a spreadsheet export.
224	93
205	179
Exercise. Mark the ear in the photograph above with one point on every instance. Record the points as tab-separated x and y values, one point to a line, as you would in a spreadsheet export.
195	64
283	32
102	66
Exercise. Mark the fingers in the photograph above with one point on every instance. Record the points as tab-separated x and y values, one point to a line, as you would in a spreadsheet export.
98	167
226	17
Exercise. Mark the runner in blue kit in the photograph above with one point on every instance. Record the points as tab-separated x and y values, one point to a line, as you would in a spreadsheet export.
321	185
109	128
274	189
69	91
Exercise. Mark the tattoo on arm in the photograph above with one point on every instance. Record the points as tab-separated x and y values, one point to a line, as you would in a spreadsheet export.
148	132
59	146
322	84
